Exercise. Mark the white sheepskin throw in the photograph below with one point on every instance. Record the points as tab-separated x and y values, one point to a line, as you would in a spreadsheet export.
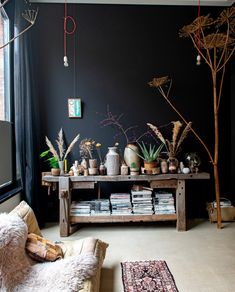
18	275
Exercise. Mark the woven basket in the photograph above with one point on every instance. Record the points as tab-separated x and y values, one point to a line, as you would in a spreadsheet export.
227	213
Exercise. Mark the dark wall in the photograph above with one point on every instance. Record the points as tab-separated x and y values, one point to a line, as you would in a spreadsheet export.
116	50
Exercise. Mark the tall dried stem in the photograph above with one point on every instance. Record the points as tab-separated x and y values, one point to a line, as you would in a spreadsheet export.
216	48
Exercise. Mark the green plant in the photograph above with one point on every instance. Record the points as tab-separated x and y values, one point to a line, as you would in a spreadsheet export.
133	165
149	154
52	161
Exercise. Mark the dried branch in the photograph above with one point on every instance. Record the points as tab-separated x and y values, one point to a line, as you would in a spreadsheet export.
114	120
166	97
219	46
28	15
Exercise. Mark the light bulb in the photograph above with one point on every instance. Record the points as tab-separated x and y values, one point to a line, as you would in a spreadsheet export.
66	64
198	60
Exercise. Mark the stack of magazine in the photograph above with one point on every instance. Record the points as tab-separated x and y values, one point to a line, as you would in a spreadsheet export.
164	203
142	202
121	204
80	208
100	207
87	208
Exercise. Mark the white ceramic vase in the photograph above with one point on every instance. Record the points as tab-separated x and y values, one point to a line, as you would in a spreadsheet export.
112	161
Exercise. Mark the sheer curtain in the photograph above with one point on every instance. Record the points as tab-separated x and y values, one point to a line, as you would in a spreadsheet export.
26	110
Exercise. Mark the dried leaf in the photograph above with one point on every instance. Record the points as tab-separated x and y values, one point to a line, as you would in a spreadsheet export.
52	149
60	144
226	16
71	146
176	129
157	132
198	23
170	150
215	40
183	135
157	82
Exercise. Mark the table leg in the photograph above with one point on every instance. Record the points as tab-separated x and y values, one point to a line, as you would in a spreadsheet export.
180	205
64	196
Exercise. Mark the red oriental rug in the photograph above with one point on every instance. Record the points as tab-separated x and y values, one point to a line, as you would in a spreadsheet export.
148	276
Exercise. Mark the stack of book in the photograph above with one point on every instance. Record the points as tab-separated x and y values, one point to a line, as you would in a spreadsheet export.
142	202
80	208
121	204
100	207
164	203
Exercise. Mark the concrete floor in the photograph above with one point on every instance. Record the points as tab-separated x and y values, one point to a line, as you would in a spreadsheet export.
201	259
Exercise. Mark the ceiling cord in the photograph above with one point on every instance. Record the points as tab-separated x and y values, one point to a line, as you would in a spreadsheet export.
66	32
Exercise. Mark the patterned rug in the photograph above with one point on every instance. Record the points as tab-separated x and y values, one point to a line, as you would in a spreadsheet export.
148	276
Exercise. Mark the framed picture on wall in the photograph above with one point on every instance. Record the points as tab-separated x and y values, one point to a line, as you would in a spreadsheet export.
74	107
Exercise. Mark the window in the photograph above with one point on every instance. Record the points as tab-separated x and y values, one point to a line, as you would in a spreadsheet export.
4	68
7	176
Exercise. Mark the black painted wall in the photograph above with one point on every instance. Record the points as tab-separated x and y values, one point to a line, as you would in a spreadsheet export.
118	49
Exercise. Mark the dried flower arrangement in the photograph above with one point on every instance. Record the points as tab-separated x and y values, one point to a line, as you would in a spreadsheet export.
178	136
86	147
63	153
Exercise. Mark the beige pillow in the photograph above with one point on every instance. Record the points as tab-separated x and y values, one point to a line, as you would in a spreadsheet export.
24	211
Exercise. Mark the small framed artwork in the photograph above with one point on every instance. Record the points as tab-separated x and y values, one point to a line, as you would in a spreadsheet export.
75	108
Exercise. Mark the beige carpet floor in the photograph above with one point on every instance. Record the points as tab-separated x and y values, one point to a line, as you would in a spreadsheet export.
201	259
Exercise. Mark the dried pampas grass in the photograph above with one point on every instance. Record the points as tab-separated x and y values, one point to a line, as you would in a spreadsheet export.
60	144
178	136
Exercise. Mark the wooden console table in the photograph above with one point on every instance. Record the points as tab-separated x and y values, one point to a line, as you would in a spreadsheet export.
67	183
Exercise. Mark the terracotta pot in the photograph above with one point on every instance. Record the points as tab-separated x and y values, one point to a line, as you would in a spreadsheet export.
55	171
150	165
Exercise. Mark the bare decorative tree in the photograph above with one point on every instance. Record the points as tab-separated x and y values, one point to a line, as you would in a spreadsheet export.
214	40
29	15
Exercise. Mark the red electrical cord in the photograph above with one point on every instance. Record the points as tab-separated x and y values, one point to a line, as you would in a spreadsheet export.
66	32
199	36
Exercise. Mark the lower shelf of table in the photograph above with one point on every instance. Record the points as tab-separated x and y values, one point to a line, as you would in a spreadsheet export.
122	218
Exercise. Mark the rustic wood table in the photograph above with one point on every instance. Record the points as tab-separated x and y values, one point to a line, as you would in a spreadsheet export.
68	223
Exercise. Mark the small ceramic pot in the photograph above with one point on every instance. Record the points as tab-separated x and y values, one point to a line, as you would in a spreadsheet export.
92	171
102	169
55	171
92	163
124	169
134	171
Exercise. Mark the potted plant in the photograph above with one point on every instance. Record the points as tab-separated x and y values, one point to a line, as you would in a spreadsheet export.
52	161
59	158
134	169
149	155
